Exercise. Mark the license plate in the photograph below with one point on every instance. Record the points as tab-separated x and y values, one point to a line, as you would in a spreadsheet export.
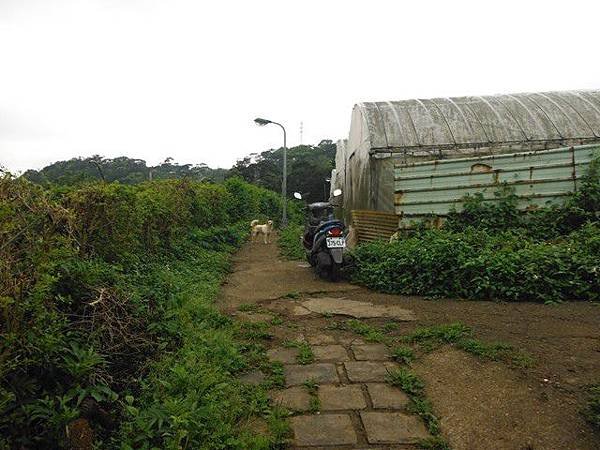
336	242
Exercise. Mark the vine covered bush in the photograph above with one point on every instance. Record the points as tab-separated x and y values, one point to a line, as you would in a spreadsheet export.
290	242
106	295
491	250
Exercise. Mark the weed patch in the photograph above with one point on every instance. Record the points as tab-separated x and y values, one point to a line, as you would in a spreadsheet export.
496	351
436	335
592	410
370	333
403	354
406	380
249	307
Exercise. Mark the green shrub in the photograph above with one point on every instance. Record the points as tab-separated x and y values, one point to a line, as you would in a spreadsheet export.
107	293
477	265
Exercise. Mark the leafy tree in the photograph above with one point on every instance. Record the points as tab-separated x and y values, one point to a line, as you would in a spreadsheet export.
308	168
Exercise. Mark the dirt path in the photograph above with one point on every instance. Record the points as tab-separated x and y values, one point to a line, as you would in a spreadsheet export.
481	404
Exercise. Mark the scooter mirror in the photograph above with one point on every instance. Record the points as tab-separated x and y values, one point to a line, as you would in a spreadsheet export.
298	195
337	192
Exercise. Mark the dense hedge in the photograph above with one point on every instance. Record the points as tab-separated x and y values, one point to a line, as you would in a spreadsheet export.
493	251
479	265
105	293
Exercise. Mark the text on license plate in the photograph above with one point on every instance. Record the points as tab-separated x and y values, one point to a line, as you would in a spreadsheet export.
336	242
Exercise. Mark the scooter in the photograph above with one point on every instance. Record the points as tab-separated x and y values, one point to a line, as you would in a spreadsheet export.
324	238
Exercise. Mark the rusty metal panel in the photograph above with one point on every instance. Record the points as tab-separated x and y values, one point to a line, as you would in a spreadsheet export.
434	187
374	225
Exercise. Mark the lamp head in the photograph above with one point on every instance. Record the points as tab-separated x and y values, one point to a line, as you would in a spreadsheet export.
261	122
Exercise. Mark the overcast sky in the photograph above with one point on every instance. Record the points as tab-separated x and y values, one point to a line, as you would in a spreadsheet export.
152	79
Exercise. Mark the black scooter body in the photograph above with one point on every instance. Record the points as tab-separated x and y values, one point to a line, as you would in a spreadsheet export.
326	261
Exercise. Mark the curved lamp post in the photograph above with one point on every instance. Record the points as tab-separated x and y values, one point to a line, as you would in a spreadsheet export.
263	122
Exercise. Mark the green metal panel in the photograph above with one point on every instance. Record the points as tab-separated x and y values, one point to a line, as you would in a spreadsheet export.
538	178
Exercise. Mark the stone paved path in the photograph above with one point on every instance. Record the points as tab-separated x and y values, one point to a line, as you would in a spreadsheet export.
356	407
341	399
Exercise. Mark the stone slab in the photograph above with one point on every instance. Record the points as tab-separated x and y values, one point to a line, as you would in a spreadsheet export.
299	310
368	371
371	352
330	353
393	428
341	397
283	355
322	373
360	310
254	317
295	398
255	377
384	396
323	429
321	339
350	340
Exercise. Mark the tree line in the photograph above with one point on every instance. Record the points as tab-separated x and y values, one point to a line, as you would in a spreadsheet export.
309	169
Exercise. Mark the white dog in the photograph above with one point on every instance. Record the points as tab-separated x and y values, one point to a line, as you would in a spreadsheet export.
265	230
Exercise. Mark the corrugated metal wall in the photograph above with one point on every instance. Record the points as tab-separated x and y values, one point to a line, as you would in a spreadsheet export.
373	225
430	188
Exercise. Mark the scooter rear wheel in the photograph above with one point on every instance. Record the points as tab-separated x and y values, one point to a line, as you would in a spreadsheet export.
335	272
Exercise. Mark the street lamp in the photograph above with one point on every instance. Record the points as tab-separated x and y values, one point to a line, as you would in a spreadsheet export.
263	122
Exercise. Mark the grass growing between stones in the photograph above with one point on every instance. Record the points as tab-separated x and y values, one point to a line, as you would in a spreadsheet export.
370	333
313	389
253	331
431	338
410	383
249	307
305	353
275	375
276	320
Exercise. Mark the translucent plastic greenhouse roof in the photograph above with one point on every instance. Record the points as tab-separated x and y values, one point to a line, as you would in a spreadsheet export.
461	122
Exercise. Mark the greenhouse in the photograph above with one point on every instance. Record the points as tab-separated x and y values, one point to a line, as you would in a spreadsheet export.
391	161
